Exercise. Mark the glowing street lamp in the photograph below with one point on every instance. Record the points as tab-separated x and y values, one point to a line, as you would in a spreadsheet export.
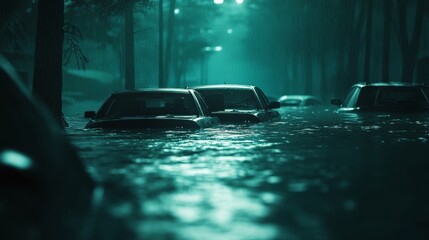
176	11
239	1
218	1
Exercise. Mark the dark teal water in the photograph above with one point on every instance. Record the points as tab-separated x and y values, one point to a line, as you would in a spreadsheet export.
313	175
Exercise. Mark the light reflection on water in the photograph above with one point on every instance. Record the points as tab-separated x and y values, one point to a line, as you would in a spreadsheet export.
293	179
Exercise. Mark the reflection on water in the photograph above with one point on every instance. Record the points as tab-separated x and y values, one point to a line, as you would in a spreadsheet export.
313	175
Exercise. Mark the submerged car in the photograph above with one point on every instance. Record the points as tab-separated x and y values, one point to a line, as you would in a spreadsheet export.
153	108
299	101
385	97
233	103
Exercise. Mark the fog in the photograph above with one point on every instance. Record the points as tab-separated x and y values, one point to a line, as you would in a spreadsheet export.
301	172
284	47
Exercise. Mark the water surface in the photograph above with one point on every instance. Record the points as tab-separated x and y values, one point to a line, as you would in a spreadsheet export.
313	175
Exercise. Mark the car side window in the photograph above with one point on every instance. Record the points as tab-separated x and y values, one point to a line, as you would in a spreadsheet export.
351	98
367	97
404	96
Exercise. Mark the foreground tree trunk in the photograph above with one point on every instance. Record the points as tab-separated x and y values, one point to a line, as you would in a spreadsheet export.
47	78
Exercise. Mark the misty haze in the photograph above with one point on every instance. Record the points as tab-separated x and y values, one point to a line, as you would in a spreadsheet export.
214	119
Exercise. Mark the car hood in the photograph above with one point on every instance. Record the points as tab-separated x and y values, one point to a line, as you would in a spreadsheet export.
189	122
239	116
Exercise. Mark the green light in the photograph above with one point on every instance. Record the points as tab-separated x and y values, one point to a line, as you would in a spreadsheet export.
176	11
218	1
15	159
239	1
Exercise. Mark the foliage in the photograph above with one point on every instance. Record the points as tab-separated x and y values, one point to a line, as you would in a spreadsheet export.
192	33
72	37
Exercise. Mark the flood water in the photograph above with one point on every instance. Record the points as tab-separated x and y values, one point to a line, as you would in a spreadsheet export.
313	175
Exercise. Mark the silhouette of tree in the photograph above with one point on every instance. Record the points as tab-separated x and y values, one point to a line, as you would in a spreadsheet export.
409	45
47	78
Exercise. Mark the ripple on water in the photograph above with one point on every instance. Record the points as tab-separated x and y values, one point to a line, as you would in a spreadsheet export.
230	182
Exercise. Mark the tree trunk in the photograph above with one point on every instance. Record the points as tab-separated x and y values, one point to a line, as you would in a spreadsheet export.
161	79
353	49
169	43
324	88
129	49
47	78
368	38
410	48
386	40
309	73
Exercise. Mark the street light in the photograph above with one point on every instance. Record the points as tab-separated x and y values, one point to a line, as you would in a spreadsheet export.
221	1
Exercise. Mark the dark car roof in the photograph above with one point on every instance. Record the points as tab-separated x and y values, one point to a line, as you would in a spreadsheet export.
390	84
154	90
225	86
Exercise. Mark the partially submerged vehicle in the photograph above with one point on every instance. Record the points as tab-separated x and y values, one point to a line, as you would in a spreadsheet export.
299	101
385	97
153	108
46	191
233	103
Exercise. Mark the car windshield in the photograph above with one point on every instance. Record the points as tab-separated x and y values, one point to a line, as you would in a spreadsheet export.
241	99
401	97
149	104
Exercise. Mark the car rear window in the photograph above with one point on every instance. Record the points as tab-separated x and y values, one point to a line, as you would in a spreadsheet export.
241	99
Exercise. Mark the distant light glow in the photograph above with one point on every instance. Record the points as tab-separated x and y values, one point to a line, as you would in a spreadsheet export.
207	49
239	1
218	48
229	31
218	1
15	159
176	11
